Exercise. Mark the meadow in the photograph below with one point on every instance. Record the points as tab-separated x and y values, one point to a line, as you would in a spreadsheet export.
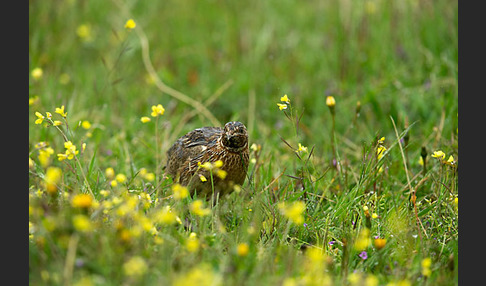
352	113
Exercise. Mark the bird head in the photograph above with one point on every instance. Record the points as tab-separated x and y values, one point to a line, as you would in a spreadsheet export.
235	136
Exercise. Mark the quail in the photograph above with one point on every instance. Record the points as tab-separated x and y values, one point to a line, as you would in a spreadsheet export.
188	154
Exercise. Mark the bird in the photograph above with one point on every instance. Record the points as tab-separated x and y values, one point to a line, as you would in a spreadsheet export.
194	159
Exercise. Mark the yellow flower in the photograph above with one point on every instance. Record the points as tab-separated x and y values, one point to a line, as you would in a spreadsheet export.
82	223
371	280
282	106
33	100
302	148
157	110
149	177
330	101
61	156
421	161
48	115
179	192
207	165
197	208
165	216
192	243
381	140
293	211
255	147
105	193
451	161
363	240
37	73
135	267
70	150
121	178
145	119
426	263
380	151
202	178
61	111
84	32
52	178
110	173
44	156
439	154
82	201
86	124
57	123
242	249
374	215
130	24
218	164
40	117
379	243
285	99
221	174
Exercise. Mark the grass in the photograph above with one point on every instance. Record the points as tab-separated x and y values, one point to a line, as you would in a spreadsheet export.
304	216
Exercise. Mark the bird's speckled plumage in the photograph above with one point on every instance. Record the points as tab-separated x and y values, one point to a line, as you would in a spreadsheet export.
210	144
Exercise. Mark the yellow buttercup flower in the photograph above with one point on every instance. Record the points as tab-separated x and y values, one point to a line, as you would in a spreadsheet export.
52	178
179	192
121	178
426	263
282	106
135	267
37	73
86	124
285	99
439	154
202	178
157	110
110	173
379	243
293	211
44	156
221	174
218	164
145	119
380	151
82	223
242	249
84	32
192	243
451	161
196	207
82	201
165	216
40	117
61	111
70	150
363	240
130	24
302	148
330	101
33	99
